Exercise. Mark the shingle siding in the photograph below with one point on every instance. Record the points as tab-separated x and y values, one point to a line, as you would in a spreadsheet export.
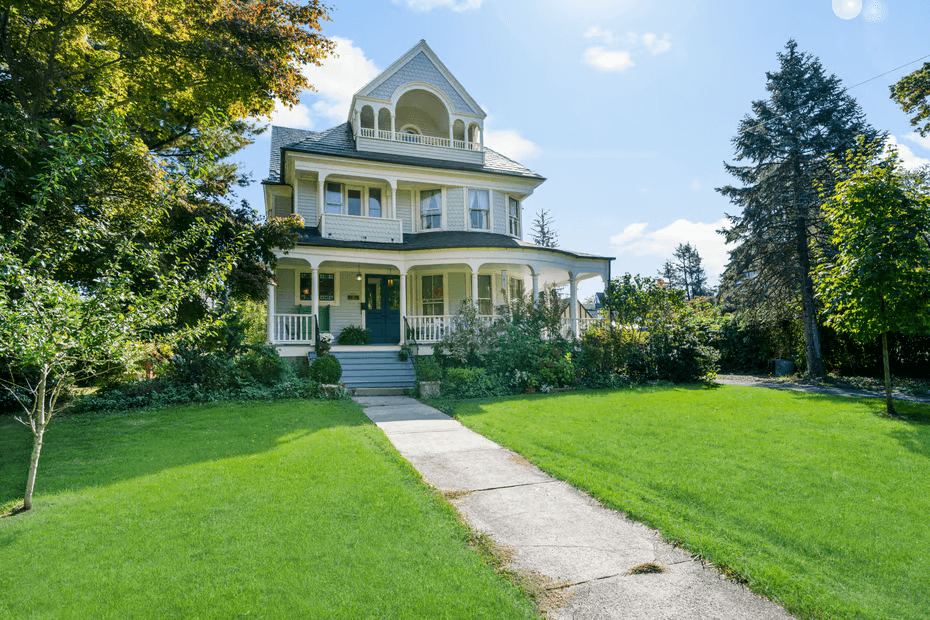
421	69
455	205
500	213
405	209
306	200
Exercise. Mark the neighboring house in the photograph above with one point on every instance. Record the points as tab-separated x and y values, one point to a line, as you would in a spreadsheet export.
407	215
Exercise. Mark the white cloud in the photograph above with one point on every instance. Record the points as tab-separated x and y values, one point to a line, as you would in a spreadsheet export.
655	44
297	117
608	60
338	79
428	5
908	158
635	241
695	185
597	32
919	140
510	143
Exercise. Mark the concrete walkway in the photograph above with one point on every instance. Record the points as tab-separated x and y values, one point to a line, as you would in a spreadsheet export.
555	530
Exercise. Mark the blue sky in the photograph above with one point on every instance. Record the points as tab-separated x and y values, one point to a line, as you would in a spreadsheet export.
628	107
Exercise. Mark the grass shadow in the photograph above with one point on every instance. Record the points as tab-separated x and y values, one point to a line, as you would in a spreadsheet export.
98	449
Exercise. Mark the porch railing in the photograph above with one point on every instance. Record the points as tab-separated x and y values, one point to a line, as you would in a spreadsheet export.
294	329
584	324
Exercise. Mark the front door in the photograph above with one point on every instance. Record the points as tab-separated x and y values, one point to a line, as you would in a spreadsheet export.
382	308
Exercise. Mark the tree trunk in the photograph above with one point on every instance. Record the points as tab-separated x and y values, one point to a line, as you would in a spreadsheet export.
809	309
889	402
33	467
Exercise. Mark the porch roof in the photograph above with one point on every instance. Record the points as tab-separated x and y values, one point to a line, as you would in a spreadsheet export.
338	142
440	239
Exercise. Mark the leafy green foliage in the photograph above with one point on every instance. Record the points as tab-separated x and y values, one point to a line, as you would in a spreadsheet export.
326	369
471	383
786	139
878	280
353	334
428	369
911	93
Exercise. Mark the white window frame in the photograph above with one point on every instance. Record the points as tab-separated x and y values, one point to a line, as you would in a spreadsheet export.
490	226
490	299
442	210
519	218
309	302
342	199
445	291
365	190
366	199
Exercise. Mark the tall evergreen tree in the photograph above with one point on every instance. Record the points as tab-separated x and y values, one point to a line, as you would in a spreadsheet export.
684	271
543	232
786	141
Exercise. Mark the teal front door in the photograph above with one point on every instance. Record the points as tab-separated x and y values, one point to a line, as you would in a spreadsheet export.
382	308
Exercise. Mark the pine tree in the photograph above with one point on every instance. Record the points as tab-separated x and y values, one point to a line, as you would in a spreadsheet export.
543	232
685	272
787	139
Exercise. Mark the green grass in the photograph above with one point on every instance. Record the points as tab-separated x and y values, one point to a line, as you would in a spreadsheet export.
288	510
816	502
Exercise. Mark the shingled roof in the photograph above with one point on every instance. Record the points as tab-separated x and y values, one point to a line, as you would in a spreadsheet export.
339	142
440	239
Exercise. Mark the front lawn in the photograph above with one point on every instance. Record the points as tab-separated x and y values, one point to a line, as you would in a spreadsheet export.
287	510
816	502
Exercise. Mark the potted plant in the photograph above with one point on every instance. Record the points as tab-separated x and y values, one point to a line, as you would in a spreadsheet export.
326	343
429	375
404	353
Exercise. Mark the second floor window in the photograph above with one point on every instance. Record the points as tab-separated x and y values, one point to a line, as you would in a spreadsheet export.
479	204
430	209
374	202
334	198
514	207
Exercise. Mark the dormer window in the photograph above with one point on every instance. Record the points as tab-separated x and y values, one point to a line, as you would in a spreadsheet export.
480	207
431	209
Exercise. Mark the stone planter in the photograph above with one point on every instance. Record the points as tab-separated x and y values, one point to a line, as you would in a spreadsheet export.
429	388
332	391
783	368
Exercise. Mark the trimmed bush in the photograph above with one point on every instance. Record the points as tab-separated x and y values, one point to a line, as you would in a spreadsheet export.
326	370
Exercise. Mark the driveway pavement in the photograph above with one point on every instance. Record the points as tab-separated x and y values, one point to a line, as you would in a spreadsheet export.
585	550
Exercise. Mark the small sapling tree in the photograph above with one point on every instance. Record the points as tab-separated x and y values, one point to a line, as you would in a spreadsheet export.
878	280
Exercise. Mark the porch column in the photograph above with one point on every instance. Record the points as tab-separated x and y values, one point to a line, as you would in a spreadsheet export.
535	288
403	307
270	314
573	287
474	287
393	200
316	295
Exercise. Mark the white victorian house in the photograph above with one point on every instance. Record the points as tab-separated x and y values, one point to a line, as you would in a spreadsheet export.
407	215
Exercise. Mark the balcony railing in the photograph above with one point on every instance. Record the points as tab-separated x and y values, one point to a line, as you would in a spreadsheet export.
412	138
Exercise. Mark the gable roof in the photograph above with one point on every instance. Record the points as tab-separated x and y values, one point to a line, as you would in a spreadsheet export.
339	142
420	64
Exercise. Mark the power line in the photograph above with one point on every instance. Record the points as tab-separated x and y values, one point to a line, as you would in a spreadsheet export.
886	72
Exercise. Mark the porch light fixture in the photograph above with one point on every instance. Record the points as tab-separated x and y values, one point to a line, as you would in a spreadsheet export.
358	276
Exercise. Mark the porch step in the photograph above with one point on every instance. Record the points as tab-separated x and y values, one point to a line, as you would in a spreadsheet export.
373	369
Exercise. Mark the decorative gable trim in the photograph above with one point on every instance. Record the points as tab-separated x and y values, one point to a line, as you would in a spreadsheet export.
423	63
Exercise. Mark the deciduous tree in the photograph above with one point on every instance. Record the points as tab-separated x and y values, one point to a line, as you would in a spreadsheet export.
786	140
878	279
54	332
911	93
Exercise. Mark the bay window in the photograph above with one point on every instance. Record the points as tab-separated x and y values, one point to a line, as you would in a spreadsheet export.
480	208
